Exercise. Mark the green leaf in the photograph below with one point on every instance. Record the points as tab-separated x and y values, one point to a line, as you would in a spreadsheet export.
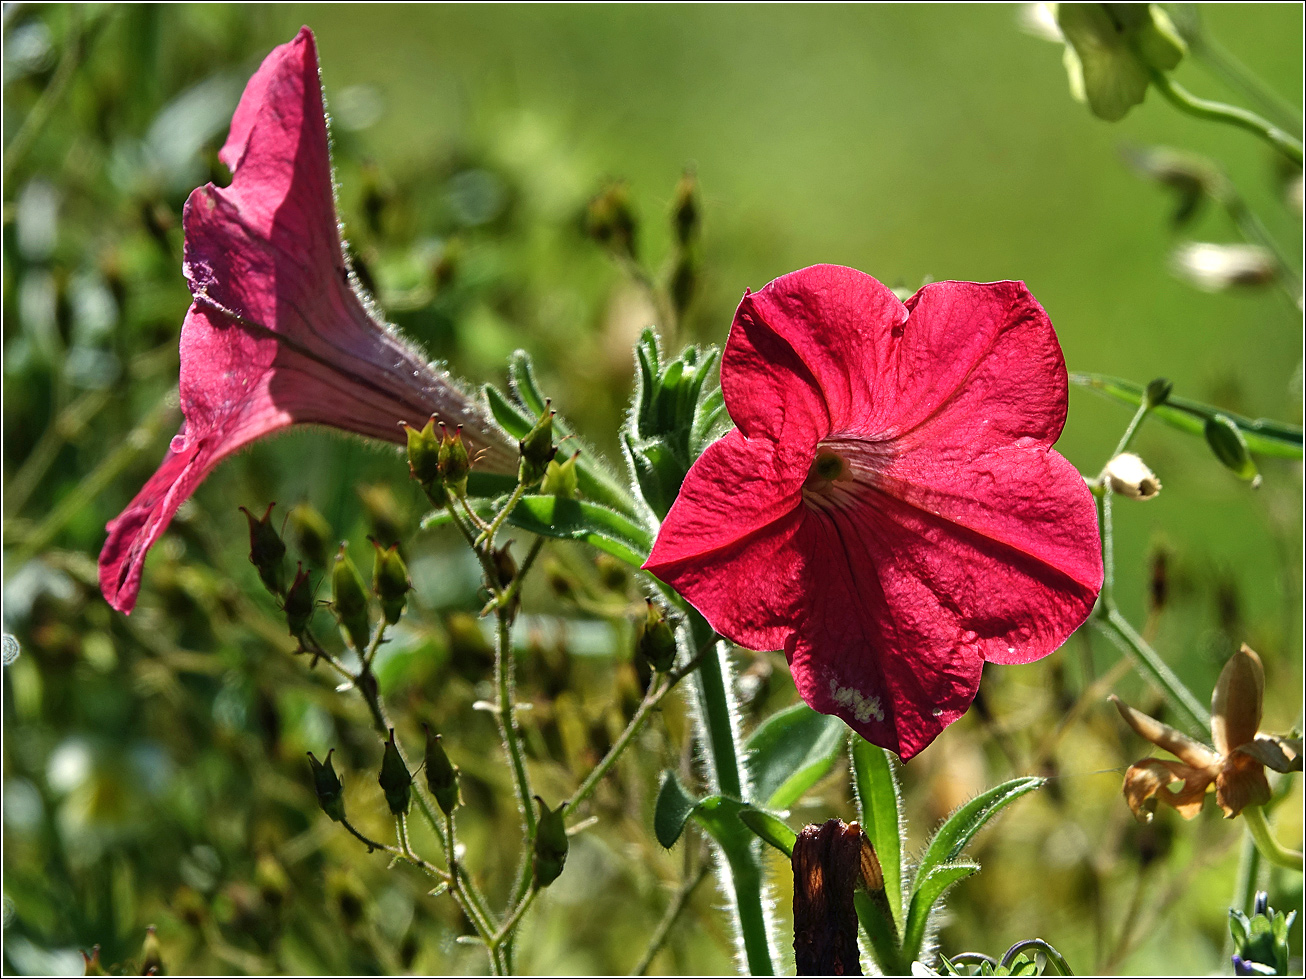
592	476
771	829
672	809
608	530
521	375
960	827
880	805
720	817
881	936
1262	435
927	893
790	752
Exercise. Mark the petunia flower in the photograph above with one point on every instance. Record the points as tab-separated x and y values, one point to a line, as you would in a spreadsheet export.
1236	767
889	510
278	333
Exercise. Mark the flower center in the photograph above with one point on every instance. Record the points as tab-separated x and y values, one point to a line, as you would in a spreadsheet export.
843	469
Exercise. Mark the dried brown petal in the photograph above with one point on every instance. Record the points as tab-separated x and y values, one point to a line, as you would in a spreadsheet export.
1236	703
1241	783
1147	783
1192	753
1281	754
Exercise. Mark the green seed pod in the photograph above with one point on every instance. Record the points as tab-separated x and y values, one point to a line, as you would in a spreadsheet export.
1158	392
610	221
685	209
395	779
390	581
537	449
424	459
441	775
454	461
349	598
1229	446
560	478
299	602
551	843
330	793
657	641
312	534
151	954
267	551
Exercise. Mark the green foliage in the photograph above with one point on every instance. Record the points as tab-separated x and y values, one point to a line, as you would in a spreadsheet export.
792	751
1261	941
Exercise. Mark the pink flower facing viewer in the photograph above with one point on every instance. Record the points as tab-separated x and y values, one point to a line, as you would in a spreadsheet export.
278	334
889	510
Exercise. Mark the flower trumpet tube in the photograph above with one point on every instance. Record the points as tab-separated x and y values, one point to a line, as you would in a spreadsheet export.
278	333
889	510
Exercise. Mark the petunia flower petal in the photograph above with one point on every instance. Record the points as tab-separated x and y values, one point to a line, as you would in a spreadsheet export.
1011	534
978	366
278	333
806	353
738	516
1236	702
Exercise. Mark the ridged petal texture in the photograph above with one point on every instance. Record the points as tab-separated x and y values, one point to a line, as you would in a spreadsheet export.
889	510
278	333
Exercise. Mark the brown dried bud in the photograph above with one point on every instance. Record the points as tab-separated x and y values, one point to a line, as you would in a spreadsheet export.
827	864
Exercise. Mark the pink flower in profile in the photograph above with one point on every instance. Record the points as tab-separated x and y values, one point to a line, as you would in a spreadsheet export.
278	333
889	510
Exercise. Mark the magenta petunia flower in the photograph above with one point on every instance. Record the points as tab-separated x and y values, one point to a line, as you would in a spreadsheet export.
889	510
278	333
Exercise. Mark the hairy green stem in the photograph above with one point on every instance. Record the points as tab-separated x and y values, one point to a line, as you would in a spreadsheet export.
486	537
1232	115
504	666
1237	75
726	771
1270	848
1132	430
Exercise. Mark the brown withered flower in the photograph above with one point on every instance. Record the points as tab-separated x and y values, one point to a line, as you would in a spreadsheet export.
1236	766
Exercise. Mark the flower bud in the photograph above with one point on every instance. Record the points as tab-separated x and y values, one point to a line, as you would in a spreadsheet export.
657	641
349	599
330	793
684	280
551	844
395	779
441	775
267	551
537	449
1129	476
560	478
424	458
312	534
390	581
610	221
299	602
685	209
91	964
454	461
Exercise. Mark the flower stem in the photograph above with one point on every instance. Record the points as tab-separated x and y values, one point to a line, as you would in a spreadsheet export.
1132	430
506	715
486	537
668	920
1232	115
725	764
1270	848
1238	75
1108	620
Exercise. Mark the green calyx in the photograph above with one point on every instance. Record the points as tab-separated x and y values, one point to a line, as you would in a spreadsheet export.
349	600
657	641
537	449
1112	50
441	775
395	779
326	784
390	581
267	551
551	843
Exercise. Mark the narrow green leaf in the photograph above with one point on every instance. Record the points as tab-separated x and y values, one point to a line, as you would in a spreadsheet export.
1263	436
709	418
672	809
927	894
510	417
790	752
609	531
965	821
771	829
881	936
521	375
880	805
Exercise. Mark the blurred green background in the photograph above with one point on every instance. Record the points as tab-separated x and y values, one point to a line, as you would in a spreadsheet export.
153	766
